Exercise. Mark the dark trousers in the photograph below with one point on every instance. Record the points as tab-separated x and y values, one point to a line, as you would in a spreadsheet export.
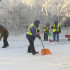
5	41
46	36
31	46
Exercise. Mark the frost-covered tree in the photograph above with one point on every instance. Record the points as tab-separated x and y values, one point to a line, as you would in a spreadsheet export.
17	15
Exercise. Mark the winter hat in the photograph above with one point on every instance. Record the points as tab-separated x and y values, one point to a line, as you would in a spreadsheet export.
36	22
47	24
56	22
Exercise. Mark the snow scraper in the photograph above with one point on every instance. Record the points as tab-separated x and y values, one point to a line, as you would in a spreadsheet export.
45	51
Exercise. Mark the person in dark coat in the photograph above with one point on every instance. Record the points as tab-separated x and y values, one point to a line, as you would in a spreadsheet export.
31	35
4	33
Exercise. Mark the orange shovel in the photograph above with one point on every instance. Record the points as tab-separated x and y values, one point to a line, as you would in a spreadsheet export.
45	51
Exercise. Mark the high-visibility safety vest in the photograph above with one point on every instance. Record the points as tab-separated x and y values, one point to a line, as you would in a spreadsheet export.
54	28
46	28
29	31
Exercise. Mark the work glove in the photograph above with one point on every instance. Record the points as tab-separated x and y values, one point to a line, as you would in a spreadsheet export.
38	31
59	31
51	27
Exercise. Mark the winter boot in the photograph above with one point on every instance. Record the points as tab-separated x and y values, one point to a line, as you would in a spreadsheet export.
29	51
35	53
5	46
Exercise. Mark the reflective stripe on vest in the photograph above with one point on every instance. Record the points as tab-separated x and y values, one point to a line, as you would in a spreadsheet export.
29	31
46	28
54	29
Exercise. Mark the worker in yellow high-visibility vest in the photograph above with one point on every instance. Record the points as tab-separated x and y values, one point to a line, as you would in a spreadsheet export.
31	35
46	31
56	30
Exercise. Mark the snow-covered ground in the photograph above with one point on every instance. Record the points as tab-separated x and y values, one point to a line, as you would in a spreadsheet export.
15	57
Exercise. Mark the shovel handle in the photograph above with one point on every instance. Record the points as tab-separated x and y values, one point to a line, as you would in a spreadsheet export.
42	44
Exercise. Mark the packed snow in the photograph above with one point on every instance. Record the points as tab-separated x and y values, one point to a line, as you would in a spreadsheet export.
15	57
